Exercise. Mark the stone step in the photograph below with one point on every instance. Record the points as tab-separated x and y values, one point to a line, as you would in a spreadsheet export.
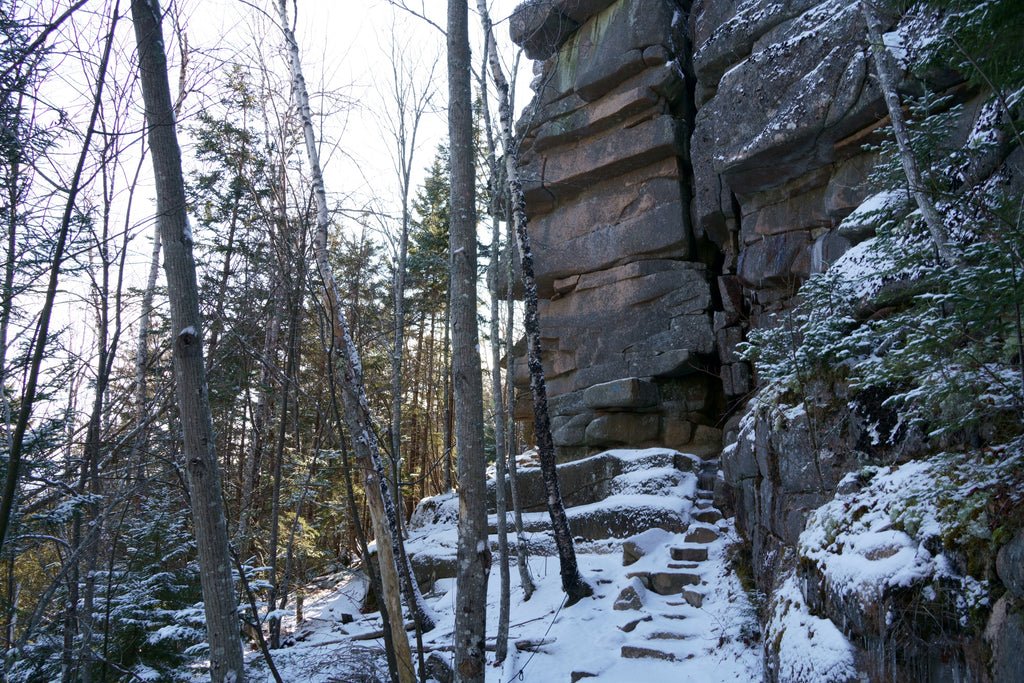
689	554
634	652
666	583
667	635
683	565
701	534
708	515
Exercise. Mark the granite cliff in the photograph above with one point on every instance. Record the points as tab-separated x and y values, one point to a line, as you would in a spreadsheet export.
688	167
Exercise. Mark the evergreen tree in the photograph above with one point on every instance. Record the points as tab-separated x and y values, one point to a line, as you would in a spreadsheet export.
428	240
942	343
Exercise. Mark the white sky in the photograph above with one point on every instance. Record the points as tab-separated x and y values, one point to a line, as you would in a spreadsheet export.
346	52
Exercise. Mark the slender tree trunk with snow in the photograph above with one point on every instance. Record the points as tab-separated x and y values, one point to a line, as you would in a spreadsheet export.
572	582
473	554
357	412
500	463
226	664
397	352
497	402
522	559
936	226
142	363
403	122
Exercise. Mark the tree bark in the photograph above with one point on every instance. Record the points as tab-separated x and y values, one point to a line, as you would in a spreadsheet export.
572	582
936	226
449	408
226	664
497	400
357	413
473	554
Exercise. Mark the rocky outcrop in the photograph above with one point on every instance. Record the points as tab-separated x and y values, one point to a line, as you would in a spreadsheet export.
689	165
684	166
627	294
785	104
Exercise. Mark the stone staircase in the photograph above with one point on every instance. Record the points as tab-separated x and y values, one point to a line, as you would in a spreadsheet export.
659	607
654	544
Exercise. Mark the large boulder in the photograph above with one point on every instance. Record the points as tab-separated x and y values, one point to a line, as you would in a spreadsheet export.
542	26
777	113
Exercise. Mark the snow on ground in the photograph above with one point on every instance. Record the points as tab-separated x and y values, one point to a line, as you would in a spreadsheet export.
810	648
715	642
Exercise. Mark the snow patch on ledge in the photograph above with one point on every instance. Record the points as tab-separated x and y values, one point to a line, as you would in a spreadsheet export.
809	648
905	525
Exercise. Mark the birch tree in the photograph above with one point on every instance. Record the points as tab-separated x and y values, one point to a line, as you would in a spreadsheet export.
226	664
880	53
357	414
497	401
572	582
525	579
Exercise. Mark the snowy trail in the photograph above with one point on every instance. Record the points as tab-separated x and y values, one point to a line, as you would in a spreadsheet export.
675	612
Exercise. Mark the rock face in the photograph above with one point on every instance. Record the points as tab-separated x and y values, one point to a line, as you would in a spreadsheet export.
627	292
683	167
687	166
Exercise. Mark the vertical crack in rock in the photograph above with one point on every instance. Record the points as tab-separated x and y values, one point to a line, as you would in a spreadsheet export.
627	288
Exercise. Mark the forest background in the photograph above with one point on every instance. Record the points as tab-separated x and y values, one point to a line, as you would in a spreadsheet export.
98	576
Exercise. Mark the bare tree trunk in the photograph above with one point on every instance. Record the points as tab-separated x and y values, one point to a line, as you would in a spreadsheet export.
449	408
403	119
108	336
522	559
142	363
473	554
936	226
572	582
274	624
357	414
226	664
497	401
261	416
